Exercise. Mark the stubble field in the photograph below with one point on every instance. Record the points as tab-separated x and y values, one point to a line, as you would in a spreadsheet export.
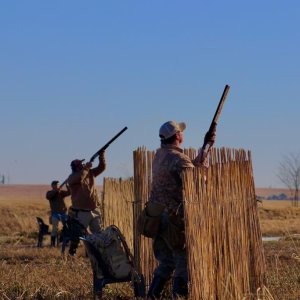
28	272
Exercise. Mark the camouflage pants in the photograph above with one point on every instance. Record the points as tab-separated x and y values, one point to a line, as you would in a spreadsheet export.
170	260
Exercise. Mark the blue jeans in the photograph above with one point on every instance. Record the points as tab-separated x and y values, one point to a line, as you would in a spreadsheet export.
60	216
56	218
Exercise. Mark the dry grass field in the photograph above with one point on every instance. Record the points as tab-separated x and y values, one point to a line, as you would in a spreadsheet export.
278	217
27	272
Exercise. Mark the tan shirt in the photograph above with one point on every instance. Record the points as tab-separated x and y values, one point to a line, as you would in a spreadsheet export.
82	184
167	166
57	200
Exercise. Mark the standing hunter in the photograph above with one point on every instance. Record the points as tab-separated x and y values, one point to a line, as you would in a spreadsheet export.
167	193
56	198
84	196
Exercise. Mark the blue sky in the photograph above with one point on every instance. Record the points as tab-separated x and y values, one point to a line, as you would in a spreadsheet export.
74	73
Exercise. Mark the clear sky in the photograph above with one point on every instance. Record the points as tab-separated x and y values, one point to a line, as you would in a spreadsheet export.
74	73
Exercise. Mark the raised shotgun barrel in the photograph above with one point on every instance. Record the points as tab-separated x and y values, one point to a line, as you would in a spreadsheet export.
220	106
206	146
100	150
107	144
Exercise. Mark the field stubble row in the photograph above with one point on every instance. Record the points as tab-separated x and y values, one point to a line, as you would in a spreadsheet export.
30	273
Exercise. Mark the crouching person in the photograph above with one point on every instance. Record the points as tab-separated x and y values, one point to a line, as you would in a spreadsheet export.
56	198
84	196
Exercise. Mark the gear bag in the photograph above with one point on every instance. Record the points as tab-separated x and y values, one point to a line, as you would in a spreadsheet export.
149	220
109	245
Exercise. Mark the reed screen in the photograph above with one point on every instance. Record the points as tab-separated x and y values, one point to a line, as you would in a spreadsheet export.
223	238
118	206
142	183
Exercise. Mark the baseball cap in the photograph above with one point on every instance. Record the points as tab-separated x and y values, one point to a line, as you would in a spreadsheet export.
76	162
169	128
54	182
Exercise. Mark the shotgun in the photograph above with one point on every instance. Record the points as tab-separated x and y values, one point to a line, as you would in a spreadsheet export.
206	146
107	144
100	150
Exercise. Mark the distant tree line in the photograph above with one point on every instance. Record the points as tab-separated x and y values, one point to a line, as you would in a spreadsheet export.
281	196
289	175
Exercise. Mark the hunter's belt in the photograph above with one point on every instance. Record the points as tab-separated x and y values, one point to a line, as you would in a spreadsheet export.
77	210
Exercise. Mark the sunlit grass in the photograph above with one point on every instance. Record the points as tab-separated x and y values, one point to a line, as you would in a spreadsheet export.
27	272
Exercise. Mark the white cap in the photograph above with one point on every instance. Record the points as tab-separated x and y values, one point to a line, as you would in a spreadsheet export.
169	128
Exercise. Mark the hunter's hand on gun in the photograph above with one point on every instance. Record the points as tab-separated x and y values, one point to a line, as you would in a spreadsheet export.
209	140
67	187
210	136
88	165
102	158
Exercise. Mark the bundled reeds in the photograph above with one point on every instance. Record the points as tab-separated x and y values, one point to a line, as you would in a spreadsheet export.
223	237
142	182
123	201
118	206
222	228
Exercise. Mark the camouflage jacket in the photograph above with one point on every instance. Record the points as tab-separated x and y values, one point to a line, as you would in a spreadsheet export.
167	166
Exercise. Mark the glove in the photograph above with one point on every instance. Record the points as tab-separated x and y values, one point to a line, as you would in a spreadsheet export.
67	187
88	165
101	156
210	136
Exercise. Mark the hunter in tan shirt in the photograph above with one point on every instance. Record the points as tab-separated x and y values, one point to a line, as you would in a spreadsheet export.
82	184
84	196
